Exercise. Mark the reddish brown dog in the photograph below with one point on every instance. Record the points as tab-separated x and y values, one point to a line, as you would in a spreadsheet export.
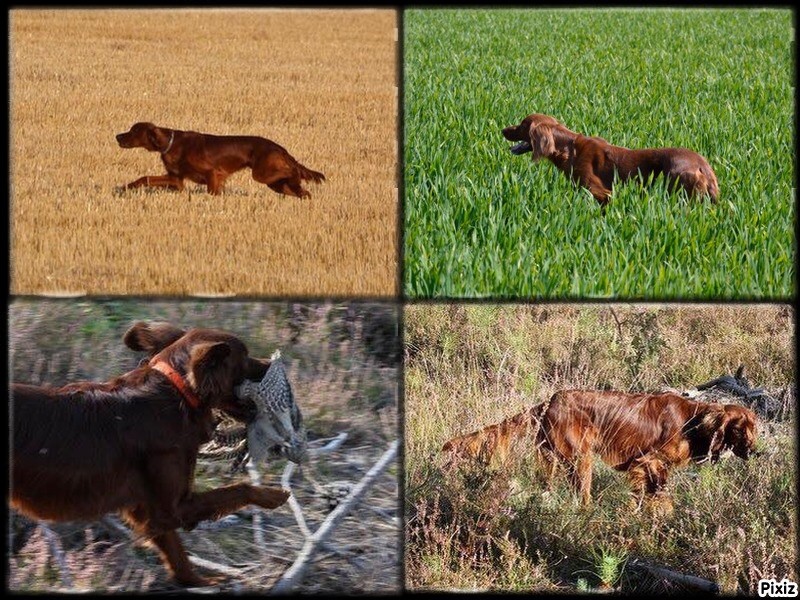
643	435
210	159
130	445
593	162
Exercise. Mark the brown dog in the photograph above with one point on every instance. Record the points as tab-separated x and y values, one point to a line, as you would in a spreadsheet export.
210	159
130	445
643	435
593	162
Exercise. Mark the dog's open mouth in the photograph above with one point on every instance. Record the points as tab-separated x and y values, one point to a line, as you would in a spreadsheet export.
520	148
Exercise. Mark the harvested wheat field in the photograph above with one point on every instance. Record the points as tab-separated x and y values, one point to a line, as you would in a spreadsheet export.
321	83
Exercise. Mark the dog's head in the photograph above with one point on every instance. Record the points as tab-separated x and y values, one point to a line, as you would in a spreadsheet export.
144	135
211	362
740	430
539	134
472	447
725	427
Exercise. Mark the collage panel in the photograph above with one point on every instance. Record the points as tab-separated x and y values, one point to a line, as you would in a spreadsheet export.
598	153
133	418
633	448
204	151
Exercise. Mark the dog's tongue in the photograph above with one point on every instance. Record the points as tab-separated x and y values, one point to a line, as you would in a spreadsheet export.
520	148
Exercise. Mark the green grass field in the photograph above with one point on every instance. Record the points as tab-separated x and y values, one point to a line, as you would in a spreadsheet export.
481	222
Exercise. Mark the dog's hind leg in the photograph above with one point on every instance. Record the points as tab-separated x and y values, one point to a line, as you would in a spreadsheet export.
169	545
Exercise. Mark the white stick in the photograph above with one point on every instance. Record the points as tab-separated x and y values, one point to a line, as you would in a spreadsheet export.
292	576
286	482
58	554
258	531
212	566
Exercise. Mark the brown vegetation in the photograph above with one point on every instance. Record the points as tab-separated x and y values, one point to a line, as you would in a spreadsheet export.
502	527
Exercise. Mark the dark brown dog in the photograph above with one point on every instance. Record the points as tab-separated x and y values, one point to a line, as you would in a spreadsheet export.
593	162
130	445
643	435
210	159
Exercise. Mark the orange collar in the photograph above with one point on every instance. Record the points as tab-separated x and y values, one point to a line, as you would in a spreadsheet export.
178	381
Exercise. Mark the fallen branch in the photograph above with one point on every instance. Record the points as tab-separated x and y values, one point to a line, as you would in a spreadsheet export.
295	573
258	530
216	567
289	470
689	581
255	478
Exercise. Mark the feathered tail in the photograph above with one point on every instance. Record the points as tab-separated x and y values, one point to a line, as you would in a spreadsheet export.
306	173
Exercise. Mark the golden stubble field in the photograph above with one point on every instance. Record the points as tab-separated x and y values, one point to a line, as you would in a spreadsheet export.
322	83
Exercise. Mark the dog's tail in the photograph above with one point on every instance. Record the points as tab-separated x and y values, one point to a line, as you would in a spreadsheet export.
306	173
484	444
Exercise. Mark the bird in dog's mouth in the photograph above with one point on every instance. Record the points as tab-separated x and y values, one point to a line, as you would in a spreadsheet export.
278	427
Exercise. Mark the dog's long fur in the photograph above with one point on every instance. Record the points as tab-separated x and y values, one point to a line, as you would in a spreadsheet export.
643	435
130	445
593	162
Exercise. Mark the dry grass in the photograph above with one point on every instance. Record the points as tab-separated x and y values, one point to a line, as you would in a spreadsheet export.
322	83
468	366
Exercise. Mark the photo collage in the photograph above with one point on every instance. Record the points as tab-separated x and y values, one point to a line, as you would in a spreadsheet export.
397	300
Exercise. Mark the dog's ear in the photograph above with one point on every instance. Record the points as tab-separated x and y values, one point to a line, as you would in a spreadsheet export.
208	372
208	356
712	428
151	337
542	142
156	138
703	432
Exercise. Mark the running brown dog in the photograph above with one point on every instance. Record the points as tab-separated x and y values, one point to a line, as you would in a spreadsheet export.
593	162
130	445
210	159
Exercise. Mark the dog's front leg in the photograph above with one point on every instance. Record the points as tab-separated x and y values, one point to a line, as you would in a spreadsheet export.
168	181
215	504
596	187
174	555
